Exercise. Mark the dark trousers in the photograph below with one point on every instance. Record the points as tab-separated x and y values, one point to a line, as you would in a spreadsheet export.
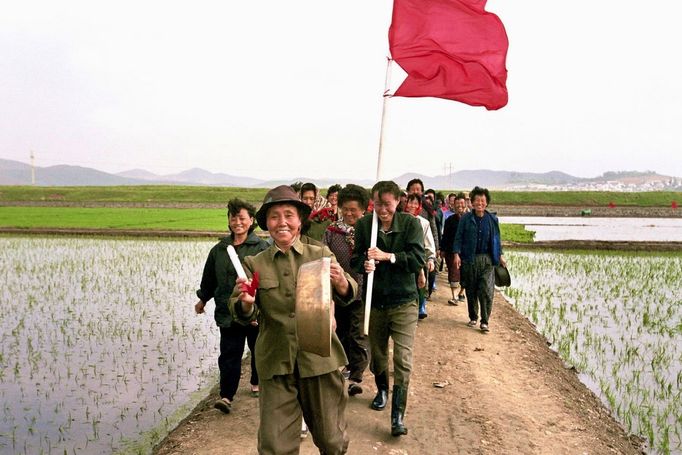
230	360
349	322
431	278
479	281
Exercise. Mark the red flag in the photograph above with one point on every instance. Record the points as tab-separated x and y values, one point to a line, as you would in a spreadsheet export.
450	49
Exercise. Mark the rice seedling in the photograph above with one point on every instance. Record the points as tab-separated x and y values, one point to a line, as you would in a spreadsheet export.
93	332
617	318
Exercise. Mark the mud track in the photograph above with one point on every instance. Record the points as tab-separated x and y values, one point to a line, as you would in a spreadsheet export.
505	392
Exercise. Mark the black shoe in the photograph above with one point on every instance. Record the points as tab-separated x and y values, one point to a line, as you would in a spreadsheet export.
354	389
398	410
222	405
423	315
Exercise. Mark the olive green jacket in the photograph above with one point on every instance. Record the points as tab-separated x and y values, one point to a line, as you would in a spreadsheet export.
277	343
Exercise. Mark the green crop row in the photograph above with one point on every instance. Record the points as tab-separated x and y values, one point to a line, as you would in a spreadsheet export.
113	218
149	218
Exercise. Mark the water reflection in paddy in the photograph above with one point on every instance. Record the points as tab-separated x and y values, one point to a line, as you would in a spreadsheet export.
99	343
605	229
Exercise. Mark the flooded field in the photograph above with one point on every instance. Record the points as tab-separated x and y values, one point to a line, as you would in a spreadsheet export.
605	229
100	349
618	319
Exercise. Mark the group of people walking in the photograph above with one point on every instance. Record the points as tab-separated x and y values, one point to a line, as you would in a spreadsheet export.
414	230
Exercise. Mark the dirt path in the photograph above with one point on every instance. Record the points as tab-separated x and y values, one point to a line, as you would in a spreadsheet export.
505	392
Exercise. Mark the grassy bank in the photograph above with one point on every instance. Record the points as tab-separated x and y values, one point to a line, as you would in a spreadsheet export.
149	219
220	195
113	218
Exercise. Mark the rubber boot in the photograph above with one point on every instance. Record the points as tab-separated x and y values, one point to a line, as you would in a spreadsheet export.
422	305
381	400
398	410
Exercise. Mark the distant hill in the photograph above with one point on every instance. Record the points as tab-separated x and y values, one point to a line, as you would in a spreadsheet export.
18	173
193	176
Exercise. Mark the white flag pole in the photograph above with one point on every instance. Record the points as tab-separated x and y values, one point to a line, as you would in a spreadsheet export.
375	220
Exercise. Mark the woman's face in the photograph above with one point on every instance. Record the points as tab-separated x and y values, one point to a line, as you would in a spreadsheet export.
412	206
240	222
308	198
333	199
284	224
351	212
479	204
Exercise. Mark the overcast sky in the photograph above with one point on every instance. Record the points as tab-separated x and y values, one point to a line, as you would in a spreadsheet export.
294	89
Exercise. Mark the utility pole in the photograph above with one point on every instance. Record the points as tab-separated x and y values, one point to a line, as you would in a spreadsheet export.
33	169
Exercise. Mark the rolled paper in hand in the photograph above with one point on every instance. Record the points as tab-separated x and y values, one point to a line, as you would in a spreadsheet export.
235	262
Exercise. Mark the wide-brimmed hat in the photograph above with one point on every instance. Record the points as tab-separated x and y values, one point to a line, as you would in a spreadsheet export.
283	194
502	277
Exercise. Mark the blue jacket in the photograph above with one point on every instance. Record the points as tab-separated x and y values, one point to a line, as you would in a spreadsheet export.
465	239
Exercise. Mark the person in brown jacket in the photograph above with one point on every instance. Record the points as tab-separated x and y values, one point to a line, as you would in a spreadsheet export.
293	383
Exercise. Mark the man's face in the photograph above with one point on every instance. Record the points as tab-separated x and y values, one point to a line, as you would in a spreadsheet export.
385	206
460	206
415	188
430	198
284	223
308	198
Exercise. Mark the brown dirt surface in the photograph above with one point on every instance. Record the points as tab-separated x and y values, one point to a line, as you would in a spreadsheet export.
505	392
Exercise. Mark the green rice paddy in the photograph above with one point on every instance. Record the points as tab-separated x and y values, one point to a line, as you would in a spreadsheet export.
618	319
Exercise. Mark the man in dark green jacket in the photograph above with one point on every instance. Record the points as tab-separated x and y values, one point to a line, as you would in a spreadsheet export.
397	258
217	283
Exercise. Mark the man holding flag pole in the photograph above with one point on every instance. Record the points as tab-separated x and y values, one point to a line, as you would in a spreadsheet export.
396	258
450	49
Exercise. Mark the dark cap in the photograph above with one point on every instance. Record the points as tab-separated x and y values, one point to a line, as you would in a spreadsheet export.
283	194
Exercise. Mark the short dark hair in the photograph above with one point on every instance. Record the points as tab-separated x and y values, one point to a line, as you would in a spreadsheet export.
356	193
386	186
414	196
478	191
236	205
296	186
308	187
459	195
453	195
412	182
333	189
432	191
